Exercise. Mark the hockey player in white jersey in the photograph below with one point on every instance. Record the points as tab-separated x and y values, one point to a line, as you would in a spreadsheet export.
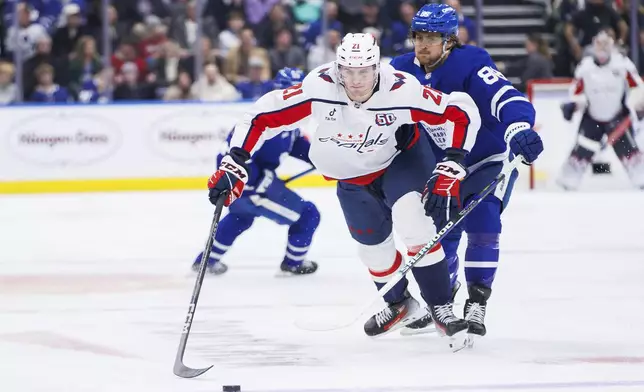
358	105
600	89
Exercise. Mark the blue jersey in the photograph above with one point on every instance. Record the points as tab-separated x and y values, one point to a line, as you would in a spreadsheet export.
470	69
268	156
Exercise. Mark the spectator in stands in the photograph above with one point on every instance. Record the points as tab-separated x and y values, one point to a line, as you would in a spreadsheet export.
229	38
464	21
118	29
158	8
45	13
155	36
46	90
84	65
256	10
222	9
236	65
324	51
315	29
255	87
278	20
129	85
96	90
43	55
127	53
585	24
166	68
396	40
350	14
537	65
285	54
208	55
184	27
27	35
305	12
213	87
65	38
8	90
181	89
370	17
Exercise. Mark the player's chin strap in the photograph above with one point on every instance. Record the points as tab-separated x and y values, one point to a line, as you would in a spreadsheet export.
436	63
500	180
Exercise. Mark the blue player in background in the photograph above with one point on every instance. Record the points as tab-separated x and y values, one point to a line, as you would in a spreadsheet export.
507	120
265	195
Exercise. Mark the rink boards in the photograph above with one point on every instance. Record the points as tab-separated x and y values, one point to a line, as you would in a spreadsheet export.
116	147
173	146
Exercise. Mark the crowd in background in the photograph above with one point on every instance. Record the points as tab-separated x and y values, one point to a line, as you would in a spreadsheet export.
243	44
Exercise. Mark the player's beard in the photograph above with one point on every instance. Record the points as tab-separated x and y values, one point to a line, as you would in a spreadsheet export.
432	59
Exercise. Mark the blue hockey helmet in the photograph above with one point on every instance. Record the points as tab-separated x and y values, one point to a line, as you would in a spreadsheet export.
287	77
436	18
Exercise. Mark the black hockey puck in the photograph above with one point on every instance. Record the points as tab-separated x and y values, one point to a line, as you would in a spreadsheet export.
231	388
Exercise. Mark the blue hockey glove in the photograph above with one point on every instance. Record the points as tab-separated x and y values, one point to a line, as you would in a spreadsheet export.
231	177
568	109
442	197
524	141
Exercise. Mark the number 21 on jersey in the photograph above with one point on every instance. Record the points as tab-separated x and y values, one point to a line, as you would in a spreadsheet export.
435	95
292	91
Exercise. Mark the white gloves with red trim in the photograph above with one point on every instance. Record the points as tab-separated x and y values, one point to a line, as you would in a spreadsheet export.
442	194
230	178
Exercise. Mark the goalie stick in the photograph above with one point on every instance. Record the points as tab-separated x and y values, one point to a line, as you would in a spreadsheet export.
499	180
620	129
180	369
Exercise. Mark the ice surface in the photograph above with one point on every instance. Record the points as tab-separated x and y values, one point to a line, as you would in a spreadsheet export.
94	289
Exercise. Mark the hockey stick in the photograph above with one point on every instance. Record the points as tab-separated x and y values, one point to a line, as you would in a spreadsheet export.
180	369
619	131
302	174
500	178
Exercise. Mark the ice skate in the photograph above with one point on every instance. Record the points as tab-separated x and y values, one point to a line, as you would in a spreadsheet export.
474	312
425	324
306	267
215	267
447	324
394	316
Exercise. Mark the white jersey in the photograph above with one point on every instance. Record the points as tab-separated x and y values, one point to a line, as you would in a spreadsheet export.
604	88
357	142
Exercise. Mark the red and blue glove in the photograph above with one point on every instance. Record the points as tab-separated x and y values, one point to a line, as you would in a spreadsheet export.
442	194
231	177
524	141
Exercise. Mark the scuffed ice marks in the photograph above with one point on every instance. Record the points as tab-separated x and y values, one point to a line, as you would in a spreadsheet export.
229	343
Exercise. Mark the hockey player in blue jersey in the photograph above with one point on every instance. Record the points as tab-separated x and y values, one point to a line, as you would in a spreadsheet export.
507	120
267	196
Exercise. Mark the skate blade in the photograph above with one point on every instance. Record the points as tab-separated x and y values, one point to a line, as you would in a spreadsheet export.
405	331
458	341
471	338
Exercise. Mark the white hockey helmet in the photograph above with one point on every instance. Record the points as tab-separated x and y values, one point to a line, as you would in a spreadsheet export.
358	51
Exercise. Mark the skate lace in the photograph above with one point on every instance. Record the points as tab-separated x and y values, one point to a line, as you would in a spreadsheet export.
384	316
475	312
444	313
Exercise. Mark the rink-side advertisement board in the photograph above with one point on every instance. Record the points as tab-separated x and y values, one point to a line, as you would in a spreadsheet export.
76	148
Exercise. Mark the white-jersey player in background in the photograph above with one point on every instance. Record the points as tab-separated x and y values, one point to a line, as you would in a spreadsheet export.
357	106
600	89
